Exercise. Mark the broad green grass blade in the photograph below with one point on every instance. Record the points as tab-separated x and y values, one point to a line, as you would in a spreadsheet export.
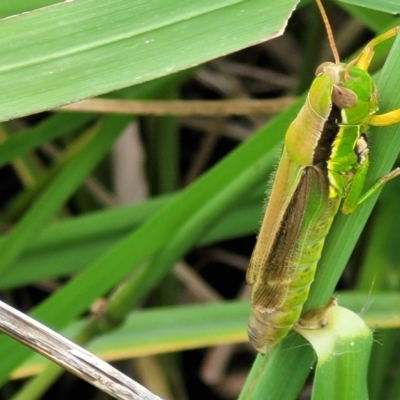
8	8
343	348
72	50
389	6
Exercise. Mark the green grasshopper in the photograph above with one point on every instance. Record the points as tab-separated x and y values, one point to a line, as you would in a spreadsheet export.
323	165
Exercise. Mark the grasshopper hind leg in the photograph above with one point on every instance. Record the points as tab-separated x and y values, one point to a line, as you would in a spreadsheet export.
379	184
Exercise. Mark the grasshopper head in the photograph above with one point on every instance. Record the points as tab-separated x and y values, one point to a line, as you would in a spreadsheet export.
351	89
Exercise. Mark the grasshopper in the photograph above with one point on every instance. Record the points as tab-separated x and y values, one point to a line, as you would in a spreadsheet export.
322	169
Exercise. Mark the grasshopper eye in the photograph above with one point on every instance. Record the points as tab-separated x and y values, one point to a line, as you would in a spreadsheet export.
321	68
342	97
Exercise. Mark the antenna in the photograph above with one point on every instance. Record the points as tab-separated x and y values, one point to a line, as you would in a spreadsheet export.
328	31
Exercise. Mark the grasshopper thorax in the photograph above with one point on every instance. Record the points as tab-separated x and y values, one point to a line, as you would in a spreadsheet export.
351	90
339	96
